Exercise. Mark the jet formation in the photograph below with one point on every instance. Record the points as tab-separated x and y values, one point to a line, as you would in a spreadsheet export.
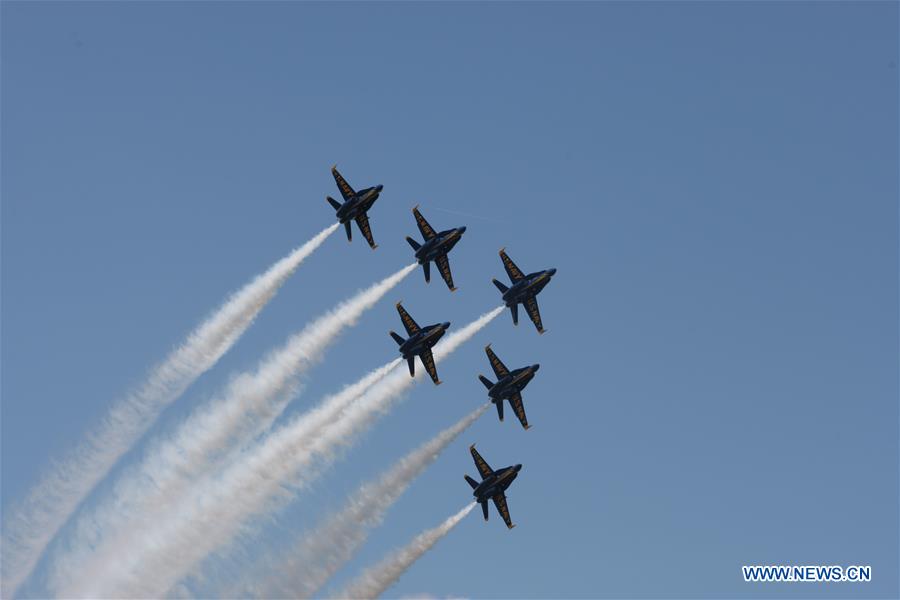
523	289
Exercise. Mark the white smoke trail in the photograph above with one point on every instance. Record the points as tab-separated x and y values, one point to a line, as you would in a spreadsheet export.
31	526
306	424
318	556
262	480
375	580
249	405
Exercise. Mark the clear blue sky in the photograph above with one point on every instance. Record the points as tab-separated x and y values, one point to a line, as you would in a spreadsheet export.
717	184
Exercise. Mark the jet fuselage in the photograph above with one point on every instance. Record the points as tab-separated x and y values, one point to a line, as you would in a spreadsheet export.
358	204
440	244
527	287
496	483
513	383
425	338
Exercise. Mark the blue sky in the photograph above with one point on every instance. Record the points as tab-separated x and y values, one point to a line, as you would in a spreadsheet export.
717	184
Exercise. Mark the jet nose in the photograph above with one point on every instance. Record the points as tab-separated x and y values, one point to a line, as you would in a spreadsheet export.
552	272
446	325
535	367
379	187
518	468
462	230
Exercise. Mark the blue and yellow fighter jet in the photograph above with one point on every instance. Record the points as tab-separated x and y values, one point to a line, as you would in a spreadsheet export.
524	290
420	342
493	485
355	206
435	248
509	385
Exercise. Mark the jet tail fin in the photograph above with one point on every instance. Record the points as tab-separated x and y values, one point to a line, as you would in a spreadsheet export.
427	268
349	231
397	338
472	482
514	309
503	289
487	382
415	245
334	203
412	366
484	509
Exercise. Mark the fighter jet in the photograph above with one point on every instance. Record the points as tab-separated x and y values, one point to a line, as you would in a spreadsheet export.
509	385
420	342
493	485
524	290
435	248
355	206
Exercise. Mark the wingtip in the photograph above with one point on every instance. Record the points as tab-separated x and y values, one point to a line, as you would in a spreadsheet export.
472	447
542	331
415	208
334	167
502	250
511	526
527	427
374	246
399	302
453	289
438	382
488	346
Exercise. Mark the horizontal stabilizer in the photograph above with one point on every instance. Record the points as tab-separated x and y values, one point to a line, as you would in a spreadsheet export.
334	203
487	382
503	289
472	482
397	338
415	245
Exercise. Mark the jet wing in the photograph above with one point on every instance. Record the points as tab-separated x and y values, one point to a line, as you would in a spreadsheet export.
424	227
428	360
346	191
515	274
519	408
443	265
532	307
483	468
362	219
408	322
500	369
503	509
